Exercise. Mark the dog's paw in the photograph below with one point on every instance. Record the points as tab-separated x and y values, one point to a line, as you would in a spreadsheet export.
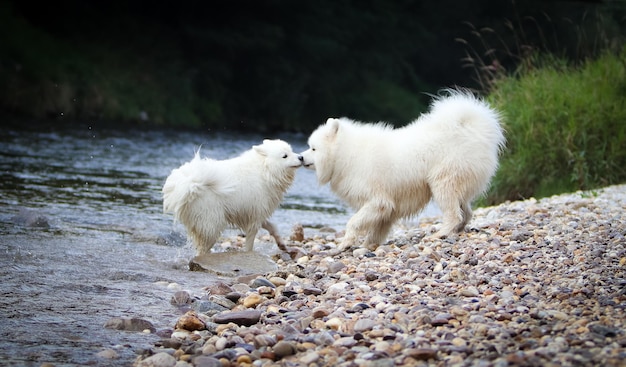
289	253
346	244
342	247
335	251
442	236
371	246
296	252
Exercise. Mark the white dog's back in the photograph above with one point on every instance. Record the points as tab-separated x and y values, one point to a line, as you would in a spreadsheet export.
462	117
207	195
198	177
460	136
448	154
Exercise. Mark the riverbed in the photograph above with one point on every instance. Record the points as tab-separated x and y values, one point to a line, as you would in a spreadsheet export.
84	238
104	248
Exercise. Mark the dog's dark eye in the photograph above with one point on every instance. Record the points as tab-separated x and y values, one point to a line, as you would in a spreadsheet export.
312	149
285	156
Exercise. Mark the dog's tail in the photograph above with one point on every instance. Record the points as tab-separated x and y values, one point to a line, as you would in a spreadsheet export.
461	108
191	180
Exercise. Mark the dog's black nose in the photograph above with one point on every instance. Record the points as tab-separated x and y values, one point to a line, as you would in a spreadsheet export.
301	158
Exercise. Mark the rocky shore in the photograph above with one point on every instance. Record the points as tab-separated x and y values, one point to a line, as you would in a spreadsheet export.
531	283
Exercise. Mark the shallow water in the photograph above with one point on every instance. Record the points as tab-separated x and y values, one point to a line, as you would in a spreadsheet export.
109	251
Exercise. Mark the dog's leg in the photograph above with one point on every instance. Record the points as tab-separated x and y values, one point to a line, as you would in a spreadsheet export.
250	236
374	214
451	191
466	210
452	216
204	241
269	226
378	234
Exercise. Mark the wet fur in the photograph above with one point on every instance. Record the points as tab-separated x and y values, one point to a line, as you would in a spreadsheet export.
208	195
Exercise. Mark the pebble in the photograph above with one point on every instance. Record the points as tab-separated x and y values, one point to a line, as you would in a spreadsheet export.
180	298
534	282
264	340
334	323
364	324
261	282
207	307
320	312
246	318
277	281
205	361
310	357
311	290
161	359
297	233
108	354
470	292
218	288
234	297
129	324
337	288
335	267
252	300
421	354
190	321
284	348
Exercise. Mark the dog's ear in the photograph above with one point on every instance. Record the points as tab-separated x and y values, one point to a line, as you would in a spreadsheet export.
333	126
260	149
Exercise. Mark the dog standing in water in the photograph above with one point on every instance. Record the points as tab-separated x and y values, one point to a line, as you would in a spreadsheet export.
208	195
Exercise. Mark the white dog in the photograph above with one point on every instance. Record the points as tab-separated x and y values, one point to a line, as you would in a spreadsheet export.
448	155
207	195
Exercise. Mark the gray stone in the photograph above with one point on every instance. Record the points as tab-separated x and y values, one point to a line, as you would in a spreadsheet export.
208	307
284	348
311	290
206	361
129	324
335	267
158	360
261	282
245	318
364	325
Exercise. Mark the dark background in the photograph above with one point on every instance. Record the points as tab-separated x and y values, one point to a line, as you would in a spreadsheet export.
269	65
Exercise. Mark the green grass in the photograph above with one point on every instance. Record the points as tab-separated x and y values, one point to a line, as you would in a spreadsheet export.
565	127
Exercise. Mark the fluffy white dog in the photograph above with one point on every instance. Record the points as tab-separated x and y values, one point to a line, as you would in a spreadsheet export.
448	154
208	195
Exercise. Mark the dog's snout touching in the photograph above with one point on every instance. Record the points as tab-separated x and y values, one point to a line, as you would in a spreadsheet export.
301	158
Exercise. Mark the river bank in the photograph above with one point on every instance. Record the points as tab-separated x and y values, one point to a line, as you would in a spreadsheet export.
534	282
83	236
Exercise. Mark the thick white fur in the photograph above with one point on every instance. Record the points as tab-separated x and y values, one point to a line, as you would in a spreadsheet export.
448	154
208	195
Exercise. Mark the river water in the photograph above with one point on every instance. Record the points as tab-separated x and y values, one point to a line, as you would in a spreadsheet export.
108	250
